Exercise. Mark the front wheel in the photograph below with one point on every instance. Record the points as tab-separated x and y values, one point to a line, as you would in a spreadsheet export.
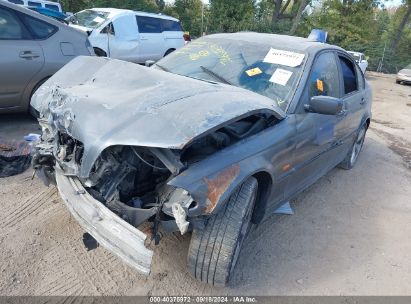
214	250
352	155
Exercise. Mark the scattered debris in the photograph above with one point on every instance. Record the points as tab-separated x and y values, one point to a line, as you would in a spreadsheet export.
285	209
15	157
32	137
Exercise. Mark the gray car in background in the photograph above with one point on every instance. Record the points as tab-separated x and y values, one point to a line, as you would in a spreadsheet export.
32	48
404	75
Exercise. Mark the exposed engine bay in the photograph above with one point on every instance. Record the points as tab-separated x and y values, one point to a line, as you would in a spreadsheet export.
132	181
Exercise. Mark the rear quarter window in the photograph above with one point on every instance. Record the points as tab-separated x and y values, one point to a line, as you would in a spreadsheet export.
349	76
39	29
148	24
171	25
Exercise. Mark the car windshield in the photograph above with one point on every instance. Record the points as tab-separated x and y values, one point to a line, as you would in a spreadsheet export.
89	18
248	65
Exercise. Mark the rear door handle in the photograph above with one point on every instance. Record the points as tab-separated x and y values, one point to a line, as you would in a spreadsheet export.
143	38
362	101
28	55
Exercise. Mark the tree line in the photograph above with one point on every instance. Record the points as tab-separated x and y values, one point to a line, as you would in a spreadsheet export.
368	26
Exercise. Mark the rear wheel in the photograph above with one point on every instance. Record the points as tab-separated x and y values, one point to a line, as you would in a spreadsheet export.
355	150
214	250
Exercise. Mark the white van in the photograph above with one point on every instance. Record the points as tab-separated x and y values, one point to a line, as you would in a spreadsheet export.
129	35
39	3
360	59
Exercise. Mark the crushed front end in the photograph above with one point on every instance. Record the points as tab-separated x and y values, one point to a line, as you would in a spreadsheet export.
126	187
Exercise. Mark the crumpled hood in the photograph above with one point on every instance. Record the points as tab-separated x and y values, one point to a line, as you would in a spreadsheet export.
103	102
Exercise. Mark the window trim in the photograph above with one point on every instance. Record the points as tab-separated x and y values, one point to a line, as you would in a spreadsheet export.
343	95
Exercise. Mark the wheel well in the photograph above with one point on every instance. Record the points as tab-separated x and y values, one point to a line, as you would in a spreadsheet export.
38	84
169	51
99	52
264	186
368	121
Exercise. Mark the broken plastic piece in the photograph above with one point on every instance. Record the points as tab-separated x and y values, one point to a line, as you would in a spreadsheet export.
32	137
180	216
285	209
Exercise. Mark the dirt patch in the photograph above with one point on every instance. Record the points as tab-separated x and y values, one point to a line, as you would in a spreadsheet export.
398	145
387	123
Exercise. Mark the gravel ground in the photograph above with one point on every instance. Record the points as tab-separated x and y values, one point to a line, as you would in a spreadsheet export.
350	234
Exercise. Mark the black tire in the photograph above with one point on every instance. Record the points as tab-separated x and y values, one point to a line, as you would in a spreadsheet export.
398	82
214	250
100	52
352	155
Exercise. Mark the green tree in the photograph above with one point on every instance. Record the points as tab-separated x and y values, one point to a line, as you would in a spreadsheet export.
74	6
189	12
138	5
231	15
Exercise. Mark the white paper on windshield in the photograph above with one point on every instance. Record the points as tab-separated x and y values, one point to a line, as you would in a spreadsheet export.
281	76
287	58
98	19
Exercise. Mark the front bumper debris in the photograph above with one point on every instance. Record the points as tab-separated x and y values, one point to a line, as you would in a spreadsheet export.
113	233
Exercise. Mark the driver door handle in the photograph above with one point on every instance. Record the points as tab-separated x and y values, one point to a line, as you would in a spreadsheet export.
362	101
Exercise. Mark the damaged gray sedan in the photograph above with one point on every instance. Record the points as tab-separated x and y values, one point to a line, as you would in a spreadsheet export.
211	139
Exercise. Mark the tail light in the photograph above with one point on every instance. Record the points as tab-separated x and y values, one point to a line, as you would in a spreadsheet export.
186	37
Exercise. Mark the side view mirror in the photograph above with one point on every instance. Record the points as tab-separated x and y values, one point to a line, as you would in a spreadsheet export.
363	61
149	63
326	105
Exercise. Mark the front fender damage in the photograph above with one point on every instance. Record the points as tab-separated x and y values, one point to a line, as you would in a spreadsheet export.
217	186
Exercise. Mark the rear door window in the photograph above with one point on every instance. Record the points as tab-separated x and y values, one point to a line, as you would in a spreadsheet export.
52	7
324	77
171	25
34	3
148	24
39	28
10	27
349	76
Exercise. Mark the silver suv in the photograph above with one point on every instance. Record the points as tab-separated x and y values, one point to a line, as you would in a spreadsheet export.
33	47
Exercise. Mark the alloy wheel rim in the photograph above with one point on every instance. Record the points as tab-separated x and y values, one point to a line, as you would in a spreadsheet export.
357	146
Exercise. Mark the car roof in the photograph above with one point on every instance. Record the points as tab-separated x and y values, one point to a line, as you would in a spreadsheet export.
298	44
117	11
